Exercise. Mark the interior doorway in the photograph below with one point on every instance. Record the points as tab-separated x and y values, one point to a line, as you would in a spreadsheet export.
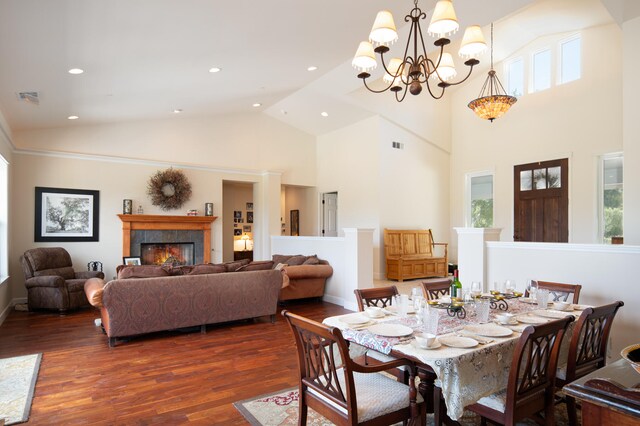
329	225
238	225
541	201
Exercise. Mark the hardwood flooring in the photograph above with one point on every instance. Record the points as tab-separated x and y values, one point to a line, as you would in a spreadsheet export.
168	378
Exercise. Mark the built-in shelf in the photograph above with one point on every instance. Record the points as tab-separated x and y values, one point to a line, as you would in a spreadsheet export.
133	222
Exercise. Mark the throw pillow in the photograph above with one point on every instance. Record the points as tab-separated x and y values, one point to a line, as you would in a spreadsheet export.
296	260
256	266
279	266
233	266
207	268
141	271
279	258
180	270
312	260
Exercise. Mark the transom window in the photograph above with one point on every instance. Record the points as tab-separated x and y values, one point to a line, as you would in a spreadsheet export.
541	70
515	77
570	59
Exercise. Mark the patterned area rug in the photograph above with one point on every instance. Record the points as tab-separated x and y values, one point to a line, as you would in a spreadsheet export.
18	377
281	408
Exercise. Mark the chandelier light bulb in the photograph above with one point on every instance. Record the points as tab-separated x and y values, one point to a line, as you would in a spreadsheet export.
473	43
444	20
384	30
365	58
446	69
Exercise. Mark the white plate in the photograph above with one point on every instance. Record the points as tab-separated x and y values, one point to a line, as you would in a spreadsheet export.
390	330
551	314
513	321
394	309
370	315
488	330
458	342
354	319
435	345
532	319
528	300
579	307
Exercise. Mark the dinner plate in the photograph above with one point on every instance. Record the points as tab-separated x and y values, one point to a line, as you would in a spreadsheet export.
458	341
532	319
488	330
390	330
371	315
354	319
435	345
394	309
551	314
576	307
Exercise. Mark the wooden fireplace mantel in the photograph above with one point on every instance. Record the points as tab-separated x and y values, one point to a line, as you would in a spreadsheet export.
132	222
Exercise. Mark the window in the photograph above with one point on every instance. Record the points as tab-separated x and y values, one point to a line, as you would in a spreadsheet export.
611	211
4	191
515	77
541	70
480	200
570	60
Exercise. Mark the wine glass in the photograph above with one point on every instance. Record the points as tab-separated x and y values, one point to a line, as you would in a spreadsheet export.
476	289
509	286
532	288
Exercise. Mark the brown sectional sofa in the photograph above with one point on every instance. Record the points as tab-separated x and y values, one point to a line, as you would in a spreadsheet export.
165	302
302	276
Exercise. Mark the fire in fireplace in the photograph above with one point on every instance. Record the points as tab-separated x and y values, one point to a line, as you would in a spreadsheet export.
174	254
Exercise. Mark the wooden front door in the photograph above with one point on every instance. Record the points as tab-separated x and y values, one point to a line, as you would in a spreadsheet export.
541	201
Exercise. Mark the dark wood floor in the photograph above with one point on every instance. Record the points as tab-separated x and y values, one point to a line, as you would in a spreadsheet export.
167	378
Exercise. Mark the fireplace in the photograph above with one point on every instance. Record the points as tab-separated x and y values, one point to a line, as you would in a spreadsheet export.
174	254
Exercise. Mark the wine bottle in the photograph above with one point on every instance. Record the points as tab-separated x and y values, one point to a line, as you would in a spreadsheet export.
456	286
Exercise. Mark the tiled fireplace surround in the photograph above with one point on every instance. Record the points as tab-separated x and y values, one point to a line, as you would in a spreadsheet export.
138	229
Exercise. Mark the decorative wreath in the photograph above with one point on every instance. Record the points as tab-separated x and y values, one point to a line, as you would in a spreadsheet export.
169	189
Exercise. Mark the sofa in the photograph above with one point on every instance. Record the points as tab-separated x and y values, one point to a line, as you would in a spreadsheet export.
147	299
51	281
302	276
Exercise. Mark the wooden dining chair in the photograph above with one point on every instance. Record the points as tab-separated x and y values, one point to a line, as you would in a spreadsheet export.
587	350
378	296
559	292
343	391
436	288
530	387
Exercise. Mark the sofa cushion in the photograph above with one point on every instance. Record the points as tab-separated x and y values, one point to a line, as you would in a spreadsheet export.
180	270
279	258
233	266
207	268
312	260
296	260
141	271
256	266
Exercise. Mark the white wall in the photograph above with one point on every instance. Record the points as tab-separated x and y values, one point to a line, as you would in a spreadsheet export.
605	272
631	131
305	200
579	120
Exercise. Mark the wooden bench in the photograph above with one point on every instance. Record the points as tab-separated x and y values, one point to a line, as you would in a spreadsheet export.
410	254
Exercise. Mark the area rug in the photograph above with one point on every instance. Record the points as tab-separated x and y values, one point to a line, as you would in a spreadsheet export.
18	377
281	408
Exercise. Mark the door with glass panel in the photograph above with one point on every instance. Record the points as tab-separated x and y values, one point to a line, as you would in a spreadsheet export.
541	201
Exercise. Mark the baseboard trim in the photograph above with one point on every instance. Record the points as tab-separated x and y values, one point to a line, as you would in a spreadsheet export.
333	299
9	307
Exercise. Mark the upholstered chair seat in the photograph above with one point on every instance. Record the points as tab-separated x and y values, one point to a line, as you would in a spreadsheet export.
51	281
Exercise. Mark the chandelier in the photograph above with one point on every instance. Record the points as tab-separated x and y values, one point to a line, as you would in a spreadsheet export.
416	68
493	101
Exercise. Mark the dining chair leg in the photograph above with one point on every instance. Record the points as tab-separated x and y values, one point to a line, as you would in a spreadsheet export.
572	410
427	379
302	412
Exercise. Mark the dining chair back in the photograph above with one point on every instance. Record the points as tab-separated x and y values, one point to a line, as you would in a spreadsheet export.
560	292
436	288
329	386
588	348
378	296
530	387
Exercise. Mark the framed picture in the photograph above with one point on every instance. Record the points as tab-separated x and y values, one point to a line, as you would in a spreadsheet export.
237	232
208	209
246	228
249	206
66	215
132	260
295	223
249	217
237	214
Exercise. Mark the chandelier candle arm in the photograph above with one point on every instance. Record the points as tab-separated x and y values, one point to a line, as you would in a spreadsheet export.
411	72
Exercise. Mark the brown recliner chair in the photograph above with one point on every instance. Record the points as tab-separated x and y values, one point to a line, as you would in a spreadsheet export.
51	281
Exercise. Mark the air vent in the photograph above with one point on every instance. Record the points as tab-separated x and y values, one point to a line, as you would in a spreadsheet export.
397	145
29	97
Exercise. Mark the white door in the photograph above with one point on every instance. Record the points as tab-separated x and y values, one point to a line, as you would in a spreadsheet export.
330	214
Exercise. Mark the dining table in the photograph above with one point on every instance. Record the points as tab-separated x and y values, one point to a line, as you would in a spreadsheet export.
470	359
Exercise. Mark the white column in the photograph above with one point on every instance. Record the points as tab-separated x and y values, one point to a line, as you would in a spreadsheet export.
266	219
472	255
359	263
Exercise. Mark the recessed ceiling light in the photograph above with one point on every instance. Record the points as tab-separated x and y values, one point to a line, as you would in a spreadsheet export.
324	114
215	69
177	111
312	68
76	71
73	117
256	105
